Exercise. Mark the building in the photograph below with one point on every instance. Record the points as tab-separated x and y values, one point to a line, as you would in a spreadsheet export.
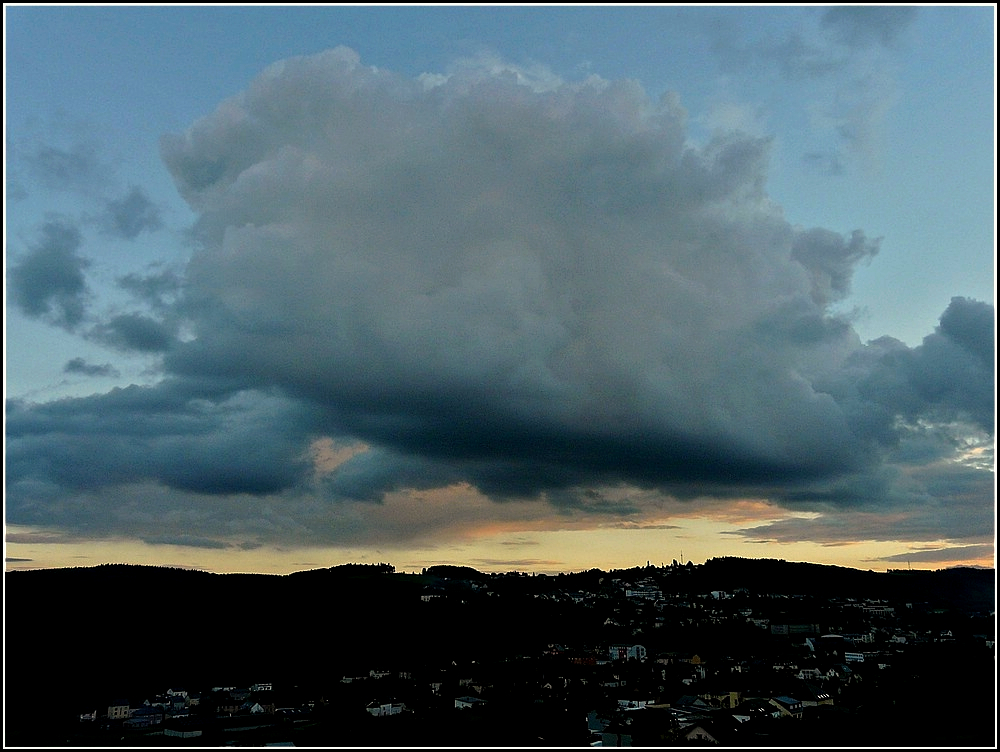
118	710
624	652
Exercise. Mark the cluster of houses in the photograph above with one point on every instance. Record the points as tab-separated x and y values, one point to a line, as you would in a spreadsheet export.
177	704
628	678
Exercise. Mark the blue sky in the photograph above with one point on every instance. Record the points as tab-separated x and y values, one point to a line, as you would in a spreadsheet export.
464	283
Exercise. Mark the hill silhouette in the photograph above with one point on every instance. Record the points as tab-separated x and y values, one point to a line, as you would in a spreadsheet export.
97	631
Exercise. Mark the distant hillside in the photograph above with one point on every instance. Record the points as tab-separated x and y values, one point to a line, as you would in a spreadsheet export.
964	588
118	625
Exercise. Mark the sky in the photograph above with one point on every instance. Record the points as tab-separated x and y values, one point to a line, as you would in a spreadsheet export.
521	288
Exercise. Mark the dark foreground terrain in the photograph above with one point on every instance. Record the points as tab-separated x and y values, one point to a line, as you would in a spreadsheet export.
725	646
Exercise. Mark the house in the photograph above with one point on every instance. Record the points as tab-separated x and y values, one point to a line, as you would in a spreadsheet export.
624	652
468	701
145	717
184	728
178	703
708	732
645	593
378	708
720	699
595	723
788	706
635	704
616	735
839	671
118	710
755	708
811	695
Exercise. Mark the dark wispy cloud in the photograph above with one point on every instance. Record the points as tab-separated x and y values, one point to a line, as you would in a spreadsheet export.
158	289
532	290
190	541
81	366
860	26
792	53
16	188
48	280
953	553
60	168
827	163
515	565
842	60
132	214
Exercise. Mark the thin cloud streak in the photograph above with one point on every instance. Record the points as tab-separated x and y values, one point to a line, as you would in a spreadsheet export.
937	555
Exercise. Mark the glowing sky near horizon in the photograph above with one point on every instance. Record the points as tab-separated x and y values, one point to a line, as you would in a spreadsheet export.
532	288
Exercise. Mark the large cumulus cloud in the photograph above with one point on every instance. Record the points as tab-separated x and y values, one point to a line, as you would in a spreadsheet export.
529	286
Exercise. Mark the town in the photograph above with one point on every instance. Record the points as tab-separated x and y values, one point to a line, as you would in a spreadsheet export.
730	653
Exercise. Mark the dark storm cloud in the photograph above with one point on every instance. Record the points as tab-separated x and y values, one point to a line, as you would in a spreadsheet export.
951	376
133	214
80	366
185	440
369	475
136	332
48	281
971	325
530	287
528	284
866	25
538	287
938	500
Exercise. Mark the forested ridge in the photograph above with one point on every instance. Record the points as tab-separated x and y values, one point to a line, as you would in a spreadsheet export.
122	624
